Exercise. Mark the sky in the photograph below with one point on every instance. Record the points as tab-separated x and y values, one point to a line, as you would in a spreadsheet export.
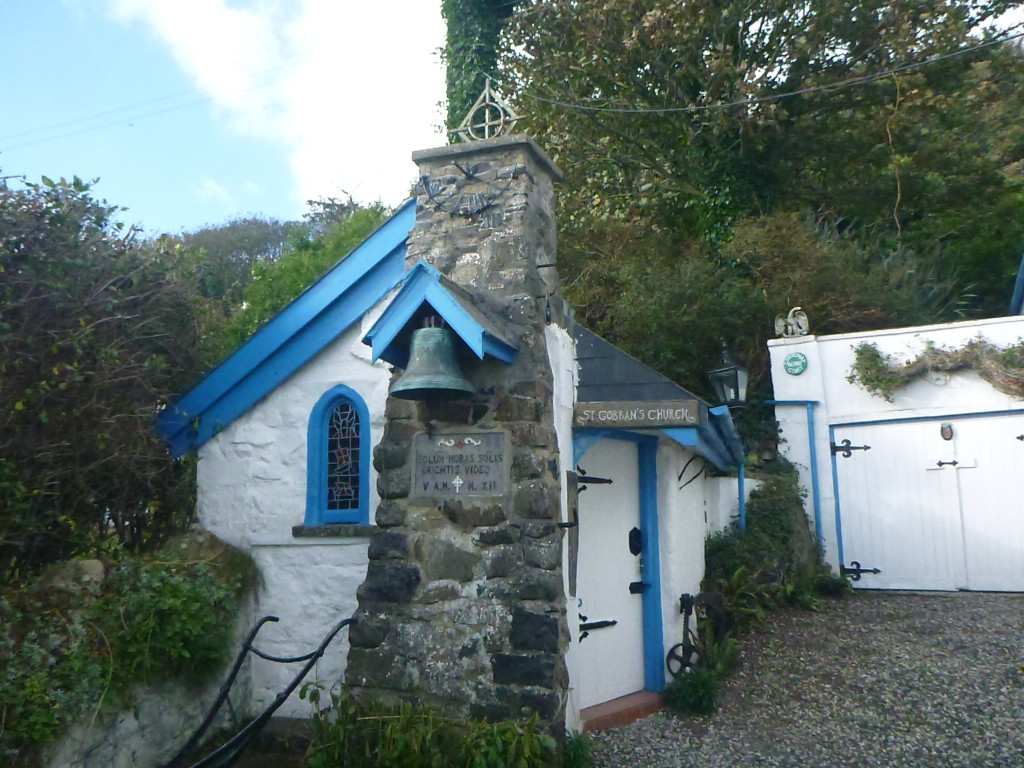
193	112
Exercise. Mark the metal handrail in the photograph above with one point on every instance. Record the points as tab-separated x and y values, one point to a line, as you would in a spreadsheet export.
231	750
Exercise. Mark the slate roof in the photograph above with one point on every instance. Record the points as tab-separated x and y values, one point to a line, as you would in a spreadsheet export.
606	373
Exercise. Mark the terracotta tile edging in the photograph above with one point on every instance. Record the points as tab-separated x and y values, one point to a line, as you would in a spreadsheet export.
621	711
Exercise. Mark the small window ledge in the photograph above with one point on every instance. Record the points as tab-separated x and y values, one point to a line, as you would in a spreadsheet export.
333	531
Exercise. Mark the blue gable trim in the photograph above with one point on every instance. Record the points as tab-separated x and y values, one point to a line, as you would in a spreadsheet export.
297	333
425	285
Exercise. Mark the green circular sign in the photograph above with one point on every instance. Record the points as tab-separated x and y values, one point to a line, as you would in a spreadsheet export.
795	363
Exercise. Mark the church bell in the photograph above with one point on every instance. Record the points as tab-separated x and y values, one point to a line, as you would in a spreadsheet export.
432	373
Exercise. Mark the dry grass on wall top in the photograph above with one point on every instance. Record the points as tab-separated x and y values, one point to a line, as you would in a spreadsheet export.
880	375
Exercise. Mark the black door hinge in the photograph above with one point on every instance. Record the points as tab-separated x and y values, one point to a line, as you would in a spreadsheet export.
846	449
855	571
585	478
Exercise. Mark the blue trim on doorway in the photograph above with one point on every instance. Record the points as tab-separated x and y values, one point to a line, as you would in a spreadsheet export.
835	498
654	634
938	417
650	573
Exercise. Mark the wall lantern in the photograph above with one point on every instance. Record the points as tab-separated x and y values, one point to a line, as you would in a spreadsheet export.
730	381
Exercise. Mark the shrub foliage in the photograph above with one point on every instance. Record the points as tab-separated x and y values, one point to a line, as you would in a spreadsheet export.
72	648
97	329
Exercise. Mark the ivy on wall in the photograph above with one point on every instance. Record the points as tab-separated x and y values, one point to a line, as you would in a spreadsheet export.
1003	368
471	50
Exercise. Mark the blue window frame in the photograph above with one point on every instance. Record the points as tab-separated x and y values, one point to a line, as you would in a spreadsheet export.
338	461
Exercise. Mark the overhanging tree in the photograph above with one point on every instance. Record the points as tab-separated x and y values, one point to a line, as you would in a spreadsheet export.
687	120
97	329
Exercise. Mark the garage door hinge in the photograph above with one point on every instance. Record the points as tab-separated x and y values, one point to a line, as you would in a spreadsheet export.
846	449
855	571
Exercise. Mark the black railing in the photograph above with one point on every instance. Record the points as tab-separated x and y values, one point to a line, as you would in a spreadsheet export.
232	749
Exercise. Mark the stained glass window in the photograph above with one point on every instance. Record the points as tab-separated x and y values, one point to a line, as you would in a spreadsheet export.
343	458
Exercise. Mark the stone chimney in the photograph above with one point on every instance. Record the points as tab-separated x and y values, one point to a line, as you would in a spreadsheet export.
463	607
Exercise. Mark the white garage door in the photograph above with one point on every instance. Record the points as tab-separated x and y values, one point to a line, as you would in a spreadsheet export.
932	513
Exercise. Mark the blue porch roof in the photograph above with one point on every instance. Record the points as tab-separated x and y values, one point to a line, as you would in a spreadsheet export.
427	291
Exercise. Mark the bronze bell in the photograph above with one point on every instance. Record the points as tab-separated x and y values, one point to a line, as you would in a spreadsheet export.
432	373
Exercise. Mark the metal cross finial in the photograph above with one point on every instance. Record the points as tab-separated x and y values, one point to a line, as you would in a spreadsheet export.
489	116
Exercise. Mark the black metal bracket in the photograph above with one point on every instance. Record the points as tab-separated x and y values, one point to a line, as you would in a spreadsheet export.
855	571
638	587
587	626
952	463
846	449
1020	437
584	478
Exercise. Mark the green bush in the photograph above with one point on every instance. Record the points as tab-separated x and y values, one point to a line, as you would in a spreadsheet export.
773	563
353	733
578	752
693	692
71	651
166	622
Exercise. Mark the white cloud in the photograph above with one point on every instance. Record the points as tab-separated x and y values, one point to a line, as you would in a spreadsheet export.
213	191
349	88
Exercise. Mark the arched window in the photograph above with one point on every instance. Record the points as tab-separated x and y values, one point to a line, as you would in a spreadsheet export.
338	463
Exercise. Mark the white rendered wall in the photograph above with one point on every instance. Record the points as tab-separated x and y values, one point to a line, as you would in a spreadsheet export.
682	531
562	358
252	490
829	361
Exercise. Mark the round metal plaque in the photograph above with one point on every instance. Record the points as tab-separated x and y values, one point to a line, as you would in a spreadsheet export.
795	363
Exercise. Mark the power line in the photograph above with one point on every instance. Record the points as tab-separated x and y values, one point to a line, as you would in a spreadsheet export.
775	97
129	117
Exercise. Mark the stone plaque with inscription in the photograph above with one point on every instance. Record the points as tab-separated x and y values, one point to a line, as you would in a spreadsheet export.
462	465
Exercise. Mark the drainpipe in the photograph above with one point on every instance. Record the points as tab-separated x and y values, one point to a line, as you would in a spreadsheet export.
815	489
743	496
734	445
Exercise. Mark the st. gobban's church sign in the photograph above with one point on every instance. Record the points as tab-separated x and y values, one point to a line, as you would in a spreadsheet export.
652	414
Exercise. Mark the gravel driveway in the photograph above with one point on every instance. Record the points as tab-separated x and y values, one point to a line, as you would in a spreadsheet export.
873	681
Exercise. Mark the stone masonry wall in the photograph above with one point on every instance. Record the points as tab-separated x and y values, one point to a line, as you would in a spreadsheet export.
463	606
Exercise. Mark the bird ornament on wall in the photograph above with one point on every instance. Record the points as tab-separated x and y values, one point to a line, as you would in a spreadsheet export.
793	324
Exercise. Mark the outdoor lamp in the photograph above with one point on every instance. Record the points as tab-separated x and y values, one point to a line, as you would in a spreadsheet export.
730	381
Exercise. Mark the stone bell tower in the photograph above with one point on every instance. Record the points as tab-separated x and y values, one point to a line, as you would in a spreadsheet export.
463	607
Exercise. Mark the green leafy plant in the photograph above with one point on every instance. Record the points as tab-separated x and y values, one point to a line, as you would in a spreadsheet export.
76	650
354	733
693	692
577	752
